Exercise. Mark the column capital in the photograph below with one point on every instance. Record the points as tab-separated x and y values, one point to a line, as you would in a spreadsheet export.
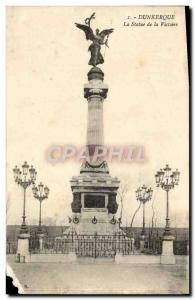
95	89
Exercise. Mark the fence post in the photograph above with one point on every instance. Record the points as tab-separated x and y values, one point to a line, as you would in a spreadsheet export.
132	241
71	249
41	241
142	243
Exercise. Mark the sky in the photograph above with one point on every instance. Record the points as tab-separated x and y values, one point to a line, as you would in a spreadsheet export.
147	104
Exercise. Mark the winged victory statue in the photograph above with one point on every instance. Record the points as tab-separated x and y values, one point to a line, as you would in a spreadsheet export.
97	38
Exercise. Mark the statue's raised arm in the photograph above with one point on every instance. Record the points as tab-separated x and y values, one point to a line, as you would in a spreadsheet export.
98	40
105	33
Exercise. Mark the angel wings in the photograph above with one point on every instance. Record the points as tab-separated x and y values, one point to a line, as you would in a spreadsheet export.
90	35
98	40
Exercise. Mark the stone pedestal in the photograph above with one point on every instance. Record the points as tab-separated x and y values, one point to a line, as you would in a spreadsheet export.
167	256
95	220
132	244
142	243
22	254
41	241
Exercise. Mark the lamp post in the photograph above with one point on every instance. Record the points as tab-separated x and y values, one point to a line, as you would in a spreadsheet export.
166	179
24	178
143	194
41	193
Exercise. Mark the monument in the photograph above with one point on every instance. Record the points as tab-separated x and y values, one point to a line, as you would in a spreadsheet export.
94	191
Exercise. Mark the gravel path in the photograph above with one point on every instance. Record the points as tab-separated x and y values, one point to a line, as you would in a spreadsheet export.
105	278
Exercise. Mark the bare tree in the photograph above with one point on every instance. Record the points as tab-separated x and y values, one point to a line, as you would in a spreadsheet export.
154	218
122	192
153	215
136	211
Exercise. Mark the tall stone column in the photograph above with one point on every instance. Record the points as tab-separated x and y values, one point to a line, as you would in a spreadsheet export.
95	92
95	121
94	191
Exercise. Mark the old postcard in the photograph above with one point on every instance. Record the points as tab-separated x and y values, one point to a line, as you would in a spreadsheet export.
97	150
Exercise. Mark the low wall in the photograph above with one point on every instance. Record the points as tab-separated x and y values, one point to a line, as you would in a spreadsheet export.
137	259
126	259
52	258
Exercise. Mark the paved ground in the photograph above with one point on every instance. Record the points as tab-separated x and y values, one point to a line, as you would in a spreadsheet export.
105	278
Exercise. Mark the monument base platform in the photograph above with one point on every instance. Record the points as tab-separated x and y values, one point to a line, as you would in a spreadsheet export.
94	202
92	221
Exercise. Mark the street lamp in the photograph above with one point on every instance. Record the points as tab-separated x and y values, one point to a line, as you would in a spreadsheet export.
143	194
166	179
24	178
41	193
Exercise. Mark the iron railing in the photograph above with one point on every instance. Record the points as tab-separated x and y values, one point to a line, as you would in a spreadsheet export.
96	245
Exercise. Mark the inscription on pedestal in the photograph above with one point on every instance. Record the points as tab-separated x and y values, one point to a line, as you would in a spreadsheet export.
94	201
